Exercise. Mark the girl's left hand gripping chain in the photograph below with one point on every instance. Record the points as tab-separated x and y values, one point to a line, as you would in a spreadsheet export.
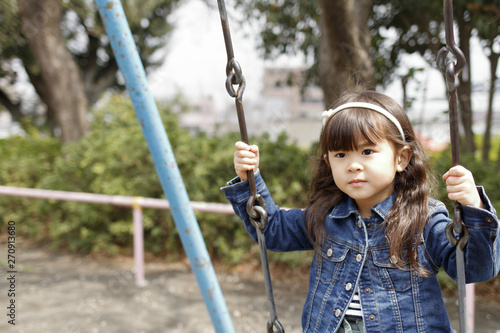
246	157
461	187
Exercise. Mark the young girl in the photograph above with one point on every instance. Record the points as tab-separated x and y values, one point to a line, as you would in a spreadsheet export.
378	238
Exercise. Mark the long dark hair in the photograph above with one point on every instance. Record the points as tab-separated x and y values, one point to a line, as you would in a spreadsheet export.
405	221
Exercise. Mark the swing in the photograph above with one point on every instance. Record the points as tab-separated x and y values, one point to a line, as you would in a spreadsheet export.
256	212
451	70
256	207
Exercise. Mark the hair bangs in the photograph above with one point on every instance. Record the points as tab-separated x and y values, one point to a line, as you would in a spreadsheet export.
349	129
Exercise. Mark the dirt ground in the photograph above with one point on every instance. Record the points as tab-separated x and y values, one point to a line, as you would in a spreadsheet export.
60	292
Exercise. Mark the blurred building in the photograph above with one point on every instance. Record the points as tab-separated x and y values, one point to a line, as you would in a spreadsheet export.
202	117
284	105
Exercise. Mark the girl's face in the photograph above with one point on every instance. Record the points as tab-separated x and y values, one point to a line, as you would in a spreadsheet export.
367	173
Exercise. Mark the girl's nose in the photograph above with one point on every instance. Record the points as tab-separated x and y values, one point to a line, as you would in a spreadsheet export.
355	167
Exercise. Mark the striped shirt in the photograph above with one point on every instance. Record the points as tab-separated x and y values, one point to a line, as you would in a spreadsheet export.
354	308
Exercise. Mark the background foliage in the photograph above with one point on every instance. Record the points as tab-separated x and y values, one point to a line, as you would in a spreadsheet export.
114	159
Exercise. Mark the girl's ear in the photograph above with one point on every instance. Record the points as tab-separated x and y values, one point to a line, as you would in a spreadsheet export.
403	159
326	160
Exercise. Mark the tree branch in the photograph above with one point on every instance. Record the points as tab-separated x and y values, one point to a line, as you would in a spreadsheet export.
104	79
13	108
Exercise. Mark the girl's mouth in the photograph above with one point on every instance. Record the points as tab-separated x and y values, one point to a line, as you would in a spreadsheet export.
357	182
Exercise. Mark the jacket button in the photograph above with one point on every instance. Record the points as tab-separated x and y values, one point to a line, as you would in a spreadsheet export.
348	286
329	252
359	257
372	317
338	313
394	260
489	220
367	290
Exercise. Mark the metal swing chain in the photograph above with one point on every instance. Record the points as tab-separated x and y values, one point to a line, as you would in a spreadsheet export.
256	207
457	227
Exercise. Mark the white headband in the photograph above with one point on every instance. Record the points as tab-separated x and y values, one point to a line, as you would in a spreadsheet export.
327	114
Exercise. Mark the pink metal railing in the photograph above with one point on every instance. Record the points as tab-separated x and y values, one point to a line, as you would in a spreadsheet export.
137	204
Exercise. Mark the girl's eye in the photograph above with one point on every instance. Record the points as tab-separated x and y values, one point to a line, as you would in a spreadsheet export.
367	152
340	155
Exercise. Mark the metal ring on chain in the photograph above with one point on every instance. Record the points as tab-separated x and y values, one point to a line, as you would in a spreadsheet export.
234	66
235	77
260	221
274	323
464	237
448	69
450	235
229	85
257	213
451	76
441	58
260	202
231	78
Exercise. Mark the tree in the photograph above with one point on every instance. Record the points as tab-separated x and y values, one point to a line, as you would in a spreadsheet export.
334	33
64	93
488	30
344	58
419	26
66	54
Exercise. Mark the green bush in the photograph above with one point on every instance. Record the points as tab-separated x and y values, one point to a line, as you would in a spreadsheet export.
24	162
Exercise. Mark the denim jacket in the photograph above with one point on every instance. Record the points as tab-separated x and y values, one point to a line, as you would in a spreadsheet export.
355	254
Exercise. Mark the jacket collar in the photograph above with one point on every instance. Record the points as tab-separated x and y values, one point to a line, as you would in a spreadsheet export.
348	207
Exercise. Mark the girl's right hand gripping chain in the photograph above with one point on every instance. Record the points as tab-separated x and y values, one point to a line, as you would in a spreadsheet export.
246	158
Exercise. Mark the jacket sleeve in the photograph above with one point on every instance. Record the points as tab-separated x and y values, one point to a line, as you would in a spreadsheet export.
285	230
482	252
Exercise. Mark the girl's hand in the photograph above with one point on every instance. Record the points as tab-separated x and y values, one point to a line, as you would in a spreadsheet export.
461	187
246	158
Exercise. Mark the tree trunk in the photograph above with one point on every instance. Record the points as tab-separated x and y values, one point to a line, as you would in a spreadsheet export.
464	89
493	58
65	91
343	58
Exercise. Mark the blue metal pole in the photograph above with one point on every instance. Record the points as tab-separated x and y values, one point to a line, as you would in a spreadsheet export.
149	119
